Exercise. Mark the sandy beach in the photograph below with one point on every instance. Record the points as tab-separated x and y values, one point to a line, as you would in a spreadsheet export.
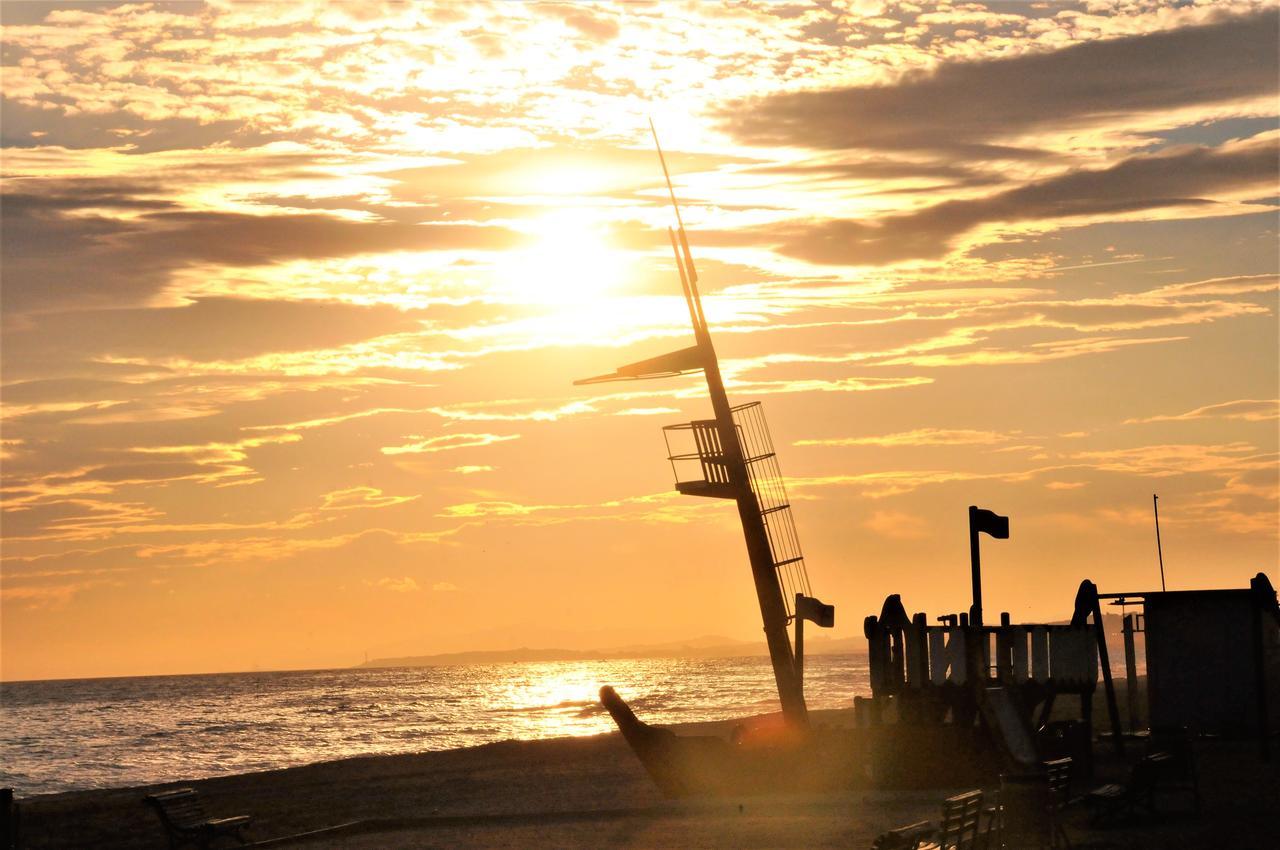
591	792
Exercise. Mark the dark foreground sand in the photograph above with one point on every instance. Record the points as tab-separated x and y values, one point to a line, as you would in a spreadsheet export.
592	793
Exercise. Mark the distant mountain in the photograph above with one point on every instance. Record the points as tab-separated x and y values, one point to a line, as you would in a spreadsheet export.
710	646
707	646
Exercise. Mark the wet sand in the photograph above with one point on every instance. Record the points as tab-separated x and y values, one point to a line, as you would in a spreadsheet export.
591	792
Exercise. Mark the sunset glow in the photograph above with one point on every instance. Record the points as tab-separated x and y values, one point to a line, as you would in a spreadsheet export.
294	295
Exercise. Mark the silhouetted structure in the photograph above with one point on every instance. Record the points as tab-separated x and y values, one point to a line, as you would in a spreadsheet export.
951	703
732	457
8	820
1213	659
949	675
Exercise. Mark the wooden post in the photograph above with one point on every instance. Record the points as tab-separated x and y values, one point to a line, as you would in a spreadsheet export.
1113	710
1004	651
799	642
8	820
1131	672
975	567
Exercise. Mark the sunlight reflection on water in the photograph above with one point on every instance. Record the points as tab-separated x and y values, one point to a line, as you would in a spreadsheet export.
94	733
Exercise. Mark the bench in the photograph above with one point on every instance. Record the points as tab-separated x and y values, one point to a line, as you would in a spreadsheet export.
1113	800
1159	771
958	830
185	822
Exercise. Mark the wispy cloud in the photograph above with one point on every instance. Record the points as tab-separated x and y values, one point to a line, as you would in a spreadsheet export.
405	584
361	497
1246	409
917	437
448	442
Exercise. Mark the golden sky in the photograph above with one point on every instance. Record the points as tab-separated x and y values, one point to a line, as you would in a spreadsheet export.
293	296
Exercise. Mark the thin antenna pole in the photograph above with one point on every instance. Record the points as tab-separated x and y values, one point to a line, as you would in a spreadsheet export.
1155	505
699	324
687	266
666	174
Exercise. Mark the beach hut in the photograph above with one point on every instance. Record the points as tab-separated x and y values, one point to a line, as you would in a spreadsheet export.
1213	659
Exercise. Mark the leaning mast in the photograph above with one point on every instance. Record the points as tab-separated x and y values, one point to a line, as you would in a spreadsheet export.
734	460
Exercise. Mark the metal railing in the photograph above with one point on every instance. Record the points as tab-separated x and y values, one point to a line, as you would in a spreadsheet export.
700	461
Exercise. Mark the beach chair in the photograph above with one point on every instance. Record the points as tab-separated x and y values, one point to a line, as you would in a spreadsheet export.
958	829
185	822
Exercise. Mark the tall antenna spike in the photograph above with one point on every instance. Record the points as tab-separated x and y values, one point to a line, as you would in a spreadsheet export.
1155	507
671	190
695	314
687	266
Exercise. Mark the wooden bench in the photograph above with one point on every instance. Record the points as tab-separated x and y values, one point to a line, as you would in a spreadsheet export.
1113	800
959	828
185	822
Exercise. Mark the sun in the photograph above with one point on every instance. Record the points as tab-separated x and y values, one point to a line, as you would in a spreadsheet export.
570	261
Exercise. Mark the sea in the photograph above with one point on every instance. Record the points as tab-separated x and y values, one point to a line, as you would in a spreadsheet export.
75	734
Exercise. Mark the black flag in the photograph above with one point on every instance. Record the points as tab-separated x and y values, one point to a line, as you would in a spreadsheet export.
811	609
983	521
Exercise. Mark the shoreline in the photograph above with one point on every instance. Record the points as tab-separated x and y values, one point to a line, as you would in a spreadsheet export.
721	728
591	791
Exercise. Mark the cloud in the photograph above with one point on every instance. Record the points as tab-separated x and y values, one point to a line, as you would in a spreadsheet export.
207	329
815	385
1235	285
395	585
966	107
360	497
569	169
447	443
897	482
594	26
1162	461
646	411
1173	178
663	508
472	414
1246	409
1038	352
917	437
49	241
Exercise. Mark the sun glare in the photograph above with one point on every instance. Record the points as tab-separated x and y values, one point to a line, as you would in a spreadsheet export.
570	262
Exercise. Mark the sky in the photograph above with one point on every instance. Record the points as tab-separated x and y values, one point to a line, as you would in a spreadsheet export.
294	295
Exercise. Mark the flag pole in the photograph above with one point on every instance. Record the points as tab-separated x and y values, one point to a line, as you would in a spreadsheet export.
975	565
